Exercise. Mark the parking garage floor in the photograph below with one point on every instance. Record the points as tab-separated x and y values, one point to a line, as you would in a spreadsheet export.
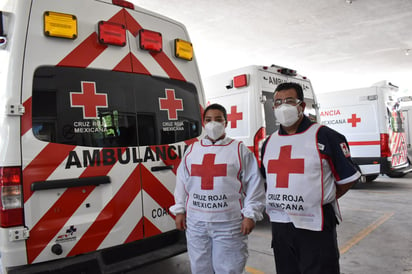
374	238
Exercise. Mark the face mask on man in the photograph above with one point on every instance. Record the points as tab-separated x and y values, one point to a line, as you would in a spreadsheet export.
287	114
214	129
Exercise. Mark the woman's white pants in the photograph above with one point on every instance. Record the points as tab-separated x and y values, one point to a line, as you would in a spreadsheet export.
216	247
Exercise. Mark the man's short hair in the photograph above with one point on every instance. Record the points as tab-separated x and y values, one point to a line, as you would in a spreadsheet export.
289	85
217	107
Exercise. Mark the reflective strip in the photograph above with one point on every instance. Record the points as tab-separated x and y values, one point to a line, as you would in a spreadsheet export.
365	143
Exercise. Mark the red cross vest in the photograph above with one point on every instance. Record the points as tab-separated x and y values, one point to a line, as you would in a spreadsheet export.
294	179
213	187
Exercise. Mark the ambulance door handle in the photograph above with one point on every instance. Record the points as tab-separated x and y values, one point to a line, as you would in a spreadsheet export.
159	168
65	183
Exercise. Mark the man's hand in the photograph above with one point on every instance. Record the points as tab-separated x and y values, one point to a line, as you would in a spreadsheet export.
180	221
342	189
247	226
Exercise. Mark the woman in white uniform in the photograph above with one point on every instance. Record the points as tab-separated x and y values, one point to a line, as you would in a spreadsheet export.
219	196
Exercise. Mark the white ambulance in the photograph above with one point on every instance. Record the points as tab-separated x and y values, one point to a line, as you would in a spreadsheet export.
371	120
99	100
247	95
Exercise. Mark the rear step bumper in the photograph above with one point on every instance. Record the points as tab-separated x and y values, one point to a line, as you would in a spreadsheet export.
115	259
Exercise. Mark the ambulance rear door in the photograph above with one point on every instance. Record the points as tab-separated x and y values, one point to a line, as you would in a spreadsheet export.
105	126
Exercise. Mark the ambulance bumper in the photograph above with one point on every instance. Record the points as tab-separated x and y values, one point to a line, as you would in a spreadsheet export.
381	165
116	259
397	171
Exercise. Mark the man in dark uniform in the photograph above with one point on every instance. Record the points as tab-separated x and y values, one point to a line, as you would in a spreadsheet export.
307	168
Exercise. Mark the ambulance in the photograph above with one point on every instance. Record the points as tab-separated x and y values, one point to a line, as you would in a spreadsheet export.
99	99
371	120
247	95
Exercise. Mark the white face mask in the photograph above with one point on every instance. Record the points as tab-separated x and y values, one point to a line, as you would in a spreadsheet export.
215	129
286	114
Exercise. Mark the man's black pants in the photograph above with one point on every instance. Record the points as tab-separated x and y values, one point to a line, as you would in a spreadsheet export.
301	251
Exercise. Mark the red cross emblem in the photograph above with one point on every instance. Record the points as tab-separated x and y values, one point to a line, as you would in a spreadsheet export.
353	120
207	170
284	166
234	116
88	100
171	104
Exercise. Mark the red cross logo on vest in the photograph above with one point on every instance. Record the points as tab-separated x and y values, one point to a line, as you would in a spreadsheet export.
88	100
208	170
234	116
284	166
353	120
171	104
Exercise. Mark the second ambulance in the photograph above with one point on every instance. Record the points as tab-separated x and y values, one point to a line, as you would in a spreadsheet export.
247	95
371	120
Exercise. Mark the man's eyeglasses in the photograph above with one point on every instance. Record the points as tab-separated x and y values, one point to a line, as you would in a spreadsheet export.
290	101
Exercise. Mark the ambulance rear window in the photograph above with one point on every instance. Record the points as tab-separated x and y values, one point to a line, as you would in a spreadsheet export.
101	108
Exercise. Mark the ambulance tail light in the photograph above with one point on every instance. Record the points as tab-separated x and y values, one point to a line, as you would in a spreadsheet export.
385	149
11	210
241	81
123	3
111	33
258	142
150	40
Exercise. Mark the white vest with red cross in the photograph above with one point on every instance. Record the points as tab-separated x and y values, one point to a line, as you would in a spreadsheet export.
294	179
213	186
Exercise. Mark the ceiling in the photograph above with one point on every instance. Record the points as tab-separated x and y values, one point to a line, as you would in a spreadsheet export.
334	43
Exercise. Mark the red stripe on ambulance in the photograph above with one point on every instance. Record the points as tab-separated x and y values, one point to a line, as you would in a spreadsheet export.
124	65
150	229
103	224
153	187
132	25
84	54
137	66
43	165
365	143
137	232
167	65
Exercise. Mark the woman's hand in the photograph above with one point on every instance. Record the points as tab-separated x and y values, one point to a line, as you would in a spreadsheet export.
247	226
180	221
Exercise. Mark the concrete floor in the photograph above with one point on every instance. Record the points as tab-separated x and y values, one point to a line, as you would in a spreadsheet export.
374	238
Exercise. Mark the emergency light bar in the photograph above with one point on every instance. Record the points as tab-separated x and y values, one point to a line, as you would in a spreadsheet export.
150	40
183	49
112	33
123	3
287	71
61	25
